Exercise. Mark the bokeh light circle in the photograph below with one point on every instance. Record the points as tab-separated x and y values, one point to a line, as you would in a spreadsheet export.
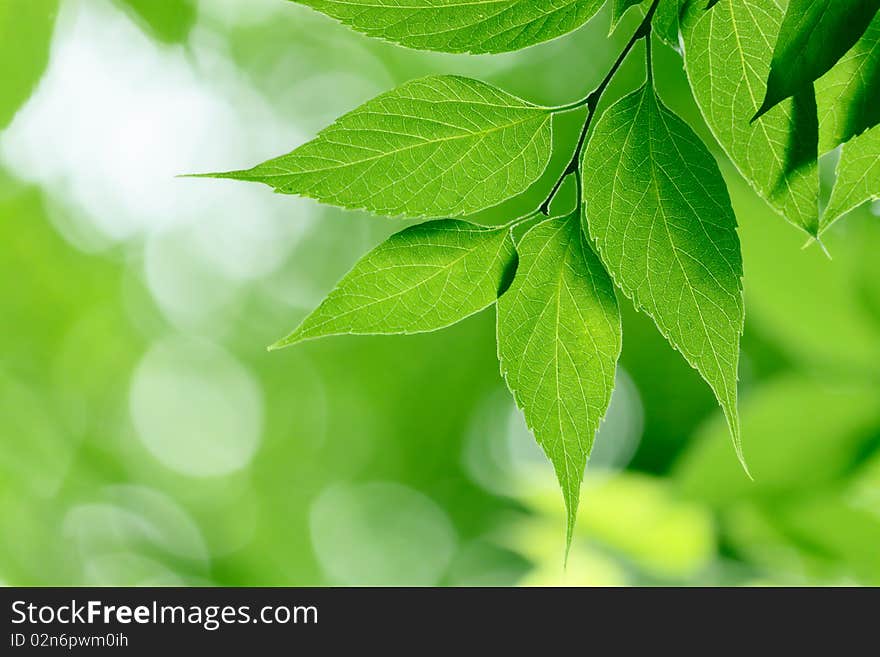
380	534
196	408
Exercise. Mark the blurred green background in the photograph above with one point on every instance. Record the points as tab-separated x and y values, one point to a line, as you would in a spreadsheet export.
147	437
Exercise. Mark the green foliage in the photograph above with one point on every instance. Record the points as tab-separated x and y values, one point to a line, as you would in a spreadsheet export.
858	176
727	62
657	209
813	36
619	8
666	21
424	278
439	146
653	217
792	450
480	26
25	32
169	21
848	93
559	338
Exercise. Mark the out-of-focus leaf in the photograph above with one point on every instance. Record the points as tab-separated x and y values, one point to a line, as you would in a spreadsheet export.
727	60
441	146
791	448
847	95
637	517
477	26
819	534
642	518
169	21
858	176
658	211
559	338
813	36
25	33
837	531
424	278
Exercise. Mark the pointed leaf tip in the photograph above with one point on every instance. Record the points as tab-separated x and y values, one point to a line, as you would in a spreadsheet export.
674	212
424	278
412	152
560	316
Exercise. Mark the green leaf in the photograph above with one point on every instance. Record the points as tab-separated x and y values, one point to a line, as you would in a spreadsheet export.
659	213
25	34
475	26
727	51
168	20
559	338
424	278
858	176
848	93
813	36
665	23
792	451
619	8
440	146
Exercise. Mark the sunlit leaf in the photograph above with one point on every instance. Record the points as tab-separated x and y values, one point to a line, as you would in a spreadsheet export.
658	210
727	58
441	146
421	279
559	338
858	176
476	26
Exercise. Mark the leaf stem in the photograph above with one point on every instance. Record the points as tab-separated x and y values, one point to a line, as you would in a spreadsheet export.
591	101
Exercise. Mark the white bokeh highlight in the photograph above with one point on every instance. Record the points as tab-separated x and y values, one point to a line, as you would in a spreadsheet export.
130	534
196	408
380	534
117	118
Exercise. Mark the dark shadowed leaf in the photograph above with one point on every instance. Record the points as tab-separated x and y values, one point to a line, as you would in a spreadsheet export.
814	35
848	94
727	59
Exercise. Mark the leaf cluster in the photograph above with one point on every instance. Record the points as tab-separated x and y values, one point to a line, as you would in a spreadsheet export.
777	86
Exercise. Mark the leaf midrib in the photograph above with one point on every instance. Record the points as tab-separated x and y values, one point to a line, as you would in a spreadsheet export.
440	270
470	135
